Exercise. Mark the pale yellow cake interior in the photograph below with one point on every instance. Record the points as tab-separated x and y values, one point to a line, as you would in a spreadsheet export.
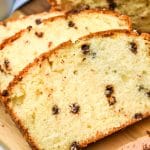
75	76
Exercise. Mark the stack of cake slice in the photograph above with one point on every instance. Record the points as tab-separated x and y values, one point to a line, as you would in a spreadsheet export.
70	80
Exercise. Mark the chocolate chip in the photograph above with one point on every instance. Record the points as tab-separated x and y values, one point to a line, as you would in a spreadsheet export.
55	110
29	28
1	69
133	47
112	4
85	48
75	146
5	93
75	72
50	63
71	24
84	59
39	34
138	116
109	90
6	64
148	94
111	100
38	21
141	87
75	108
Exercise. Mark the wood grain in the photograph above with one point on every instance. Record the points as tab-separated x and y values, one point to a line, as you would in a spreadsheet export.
35	6
10	136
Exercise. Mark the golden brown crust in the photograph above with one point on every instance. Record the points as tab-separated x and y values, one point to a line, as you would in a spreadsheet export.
43	57
109	12
4	23
99	135
11	39
22	129
16	19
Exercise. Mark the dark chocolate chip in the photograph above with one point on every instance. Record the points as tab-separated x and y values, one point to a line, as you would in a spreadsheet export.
5	93
39	34
75	72
133	47
148	94
85	48
84	59
1	69
75	146
38	21
109	90
74	108
138	116
29	28
71	24
141	87
6	64
112	4
50	63
111	100
55	110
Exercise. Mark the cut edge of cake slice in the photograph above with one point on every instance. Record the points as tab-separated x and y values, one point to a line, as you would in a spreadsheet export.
9	97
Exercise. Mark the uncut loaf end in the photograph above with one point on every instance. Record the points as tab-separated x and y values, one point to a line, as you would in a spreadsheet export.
138	10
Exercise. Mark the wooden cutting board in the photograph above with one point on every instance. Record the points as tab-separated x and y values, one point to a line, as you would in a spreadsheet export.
11	137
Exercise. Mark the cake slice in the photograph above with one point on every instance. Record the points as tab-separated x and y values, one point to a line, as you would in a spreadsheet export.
16	52
138	10
9	28
79	93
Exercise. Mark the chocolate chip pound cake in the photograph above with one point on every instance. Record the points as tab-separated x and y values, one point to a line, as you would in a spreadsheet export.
9	28
138	10
81	92
16	52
